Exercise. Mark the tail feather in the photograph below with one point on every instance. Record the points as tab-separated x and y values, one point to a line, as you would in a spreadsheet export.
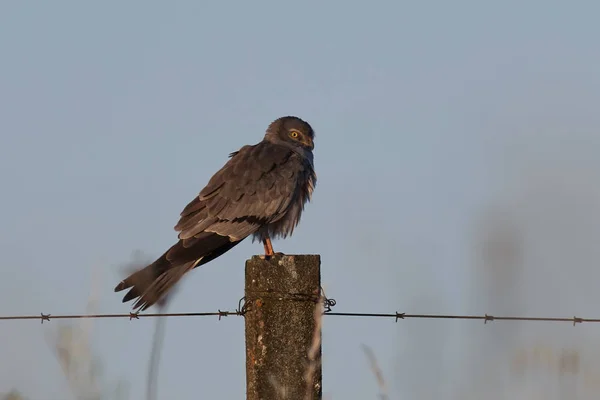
162	285
151	283
143	278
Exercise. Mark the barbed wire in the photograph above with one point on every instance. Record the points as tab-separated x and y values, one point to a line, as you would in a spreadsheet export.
47	317
327	303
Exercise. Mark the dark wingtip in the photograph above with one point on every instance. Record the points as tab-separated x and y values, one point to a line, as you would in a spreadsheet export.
132	294
120	286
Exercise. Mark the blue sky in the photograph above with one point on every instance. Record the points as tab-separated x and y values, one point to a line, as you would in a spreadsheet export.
114	115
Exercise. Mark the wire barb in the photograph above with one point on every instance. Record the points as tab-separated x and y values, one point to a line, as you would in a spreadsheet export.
134	315
222	314
488	318
577	320
45	317
399	316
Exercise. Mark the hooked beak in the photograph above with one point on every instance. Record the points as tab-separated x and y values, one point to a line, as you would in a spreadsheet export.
309	143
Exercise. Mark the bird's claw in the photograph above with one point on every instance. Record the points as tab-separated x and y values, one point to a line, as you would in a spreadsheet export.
269	256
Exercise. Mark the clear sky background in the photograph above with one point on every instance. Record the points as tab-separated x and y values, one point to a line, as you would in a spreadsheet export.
439	124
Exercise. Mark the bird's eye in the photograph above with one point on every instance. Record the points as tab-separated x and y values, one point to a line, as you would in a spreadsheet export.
294	134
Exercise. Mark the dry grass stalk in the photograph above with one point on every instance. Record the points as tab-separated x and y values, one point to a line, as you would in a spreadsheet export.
376	371
314	350
73	349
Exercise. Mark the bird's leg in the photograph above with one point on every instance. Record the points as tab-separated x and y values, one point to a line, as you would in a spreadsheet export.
268	247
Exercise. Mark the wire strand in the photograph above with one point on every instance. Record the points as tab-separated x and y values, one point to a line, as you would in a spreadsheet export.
395	315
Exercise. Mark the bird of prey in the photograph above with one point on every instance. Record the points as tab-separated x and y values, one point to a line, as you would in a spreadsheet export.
260	191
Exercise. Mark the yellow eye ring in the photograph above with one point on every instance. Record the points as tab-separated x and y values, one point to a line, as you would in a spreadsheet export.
294	134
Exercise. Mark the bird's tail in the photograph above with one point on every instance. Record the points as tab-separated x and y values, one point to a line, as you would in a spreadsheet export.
152	282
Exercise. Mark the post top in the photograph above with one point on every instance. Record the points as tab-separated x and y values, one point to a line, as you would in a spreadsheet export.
287	257
283	273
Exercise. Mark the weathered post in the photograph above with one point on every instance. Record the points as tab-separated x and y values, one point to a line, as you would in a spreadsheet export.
283	335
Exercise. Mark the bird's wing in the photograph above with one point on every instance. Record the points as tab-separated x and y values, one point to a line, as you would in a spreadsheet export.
253	188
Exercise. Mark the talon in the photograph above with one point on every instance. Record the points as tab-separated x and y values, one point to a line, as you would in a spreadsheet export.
268	257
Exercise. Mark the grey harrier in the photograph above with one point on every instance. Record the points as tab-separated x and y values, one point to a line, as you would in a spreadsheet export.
260	191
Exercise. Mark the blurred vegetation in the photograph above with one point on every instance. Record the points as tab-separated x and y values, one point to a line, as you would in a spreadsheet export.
13	395
82	369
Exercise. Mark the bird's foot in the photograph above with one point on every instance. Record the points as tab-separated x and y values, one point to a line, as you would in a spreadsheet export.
269	256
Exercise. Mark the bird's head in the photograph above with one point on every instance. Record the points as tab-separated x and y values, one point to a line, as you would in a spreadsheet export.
292	131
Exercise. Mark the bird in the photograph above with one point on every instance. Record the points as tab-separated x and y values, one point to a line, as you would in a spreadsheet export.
261	191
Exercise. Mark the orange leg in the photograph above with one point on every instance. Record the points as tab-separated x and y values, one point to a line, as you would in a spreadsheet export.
268	247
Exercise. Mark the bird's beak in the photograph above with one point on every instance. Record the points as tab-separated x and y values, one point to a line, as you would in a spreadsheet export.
309	143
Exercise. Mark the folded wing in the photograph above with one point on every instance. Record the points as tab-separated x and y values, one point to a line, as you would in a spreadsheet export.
254	188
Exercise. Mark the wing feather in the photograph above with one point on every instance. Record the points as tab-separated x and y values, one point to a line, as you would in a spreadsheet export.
253	188
257	186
